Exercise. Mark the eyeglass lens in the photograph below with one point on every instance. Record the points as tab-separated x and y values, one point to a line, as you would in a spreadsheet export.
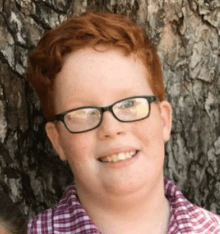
131	109
82	119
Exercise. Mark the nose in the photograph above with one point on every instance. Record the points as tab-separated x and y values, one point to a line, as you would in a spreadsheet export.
110	127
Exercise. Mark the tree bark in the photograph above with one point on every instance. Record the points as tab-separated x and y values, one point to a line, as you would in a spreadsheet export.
187	35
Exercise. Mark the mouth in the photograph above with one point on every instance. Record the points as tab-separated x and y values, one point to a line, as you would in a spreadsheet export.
122	156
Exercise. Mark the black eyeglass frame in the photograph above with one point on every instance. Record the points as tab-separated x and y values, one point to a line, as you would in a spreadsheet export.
150	99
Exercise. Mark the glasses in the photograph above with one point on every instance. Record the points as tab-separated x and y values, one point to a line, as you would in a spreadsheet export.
87	118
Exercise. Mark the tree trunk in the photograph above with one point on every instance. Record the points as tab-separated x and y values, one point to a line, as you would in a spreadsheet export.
187	35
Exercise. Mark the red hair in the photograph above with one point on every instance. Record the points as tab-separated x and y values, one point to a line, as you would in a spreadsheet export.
90	29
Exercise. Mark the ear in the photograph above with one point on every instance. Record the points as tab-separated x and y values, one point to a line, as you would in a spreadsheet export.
54	136
166	115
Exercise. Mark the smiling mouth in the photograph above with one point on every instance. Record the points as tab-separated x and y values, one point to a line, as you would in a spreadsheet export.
118	157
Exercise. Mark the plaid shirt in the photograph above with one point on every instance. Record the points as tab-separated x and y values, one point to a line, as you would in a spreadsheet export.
70	217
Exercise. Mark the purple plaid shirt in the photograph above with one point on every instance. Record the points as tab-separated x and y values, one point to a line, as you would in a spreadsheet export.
70	217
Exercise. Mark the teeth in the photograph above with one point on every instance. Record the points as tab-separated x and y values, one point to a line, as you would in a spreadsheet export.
114	158
118	157
108	158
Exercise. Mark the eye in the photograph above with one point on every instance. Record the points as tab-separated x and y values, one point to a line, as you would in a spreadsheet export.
94	113
128	104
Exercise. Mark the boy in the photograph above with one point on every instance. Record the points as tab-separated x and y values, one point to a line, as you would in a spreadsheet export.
100	83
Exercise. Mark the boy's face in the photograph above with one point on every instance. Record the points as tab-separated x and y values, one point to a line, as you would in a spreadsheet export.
90	78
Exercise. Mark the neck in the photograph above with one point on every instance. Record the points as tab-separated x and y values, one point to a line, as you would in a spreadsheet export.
147	210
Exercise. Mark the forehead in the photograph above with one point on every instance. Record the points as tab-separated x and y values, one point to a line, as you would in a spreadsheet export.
87	62
92	76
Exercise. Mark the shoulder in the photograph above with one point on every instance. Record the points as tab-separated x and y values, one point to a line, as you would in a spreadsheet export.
44	223
187	217
67	217
204	221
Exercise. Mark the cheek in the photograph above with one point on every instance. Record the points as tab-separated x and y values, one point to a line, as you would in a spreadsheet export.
77	147
149	132
150	136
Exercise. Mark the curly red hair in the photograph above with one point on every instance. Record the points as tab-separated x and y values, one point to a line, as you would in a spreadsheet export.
90	29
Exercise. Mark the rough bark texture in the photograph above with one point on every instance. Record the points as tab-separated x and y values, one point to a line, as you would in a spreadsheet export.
187	34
